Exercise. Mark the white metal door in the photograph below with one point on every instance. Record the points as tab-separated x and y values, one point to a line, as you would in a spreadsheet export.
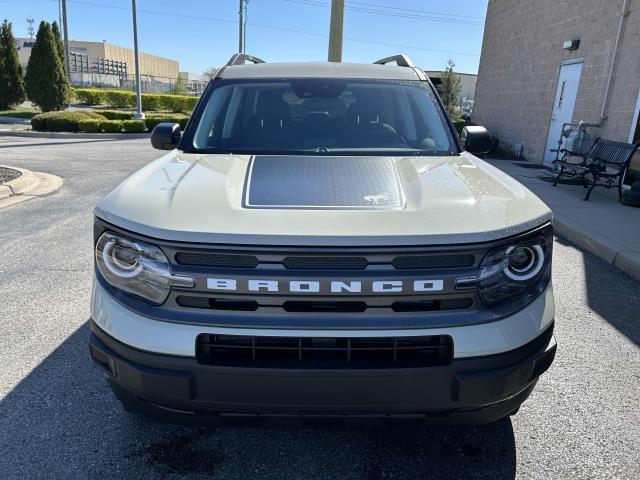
565	101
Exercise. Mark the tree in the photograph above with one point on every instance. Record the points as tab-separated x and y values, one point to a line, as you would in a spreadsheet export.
450	89
210	72
46	81
179	88
59	43
11	81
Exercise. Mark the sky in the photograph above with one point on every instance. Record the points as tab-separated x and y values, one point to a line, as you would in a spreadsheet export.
204	33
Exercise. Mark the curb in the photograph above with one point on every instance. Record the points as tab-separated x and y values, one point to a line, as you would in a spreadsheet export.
26	181
74	136
628	262
28	185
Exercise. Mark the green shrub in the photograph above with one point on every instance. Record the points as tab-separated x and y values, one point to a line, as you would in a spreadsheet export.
61	121
90	126
115	114
171	103
89	96
120	98
39	122
124	98
112	126
151	122
64	123
178	103
190	103
133	126
151	102
154	119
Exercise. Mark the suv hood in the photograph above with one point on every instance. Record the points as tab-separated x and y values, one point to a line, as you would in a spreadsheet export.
323	201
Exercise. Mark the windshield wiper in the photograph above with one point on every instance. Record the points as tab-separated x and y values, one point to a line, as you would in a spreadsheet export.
320	150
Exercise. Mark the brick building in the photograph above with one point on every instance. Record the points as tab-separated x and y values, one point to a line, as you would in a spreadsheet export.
548	62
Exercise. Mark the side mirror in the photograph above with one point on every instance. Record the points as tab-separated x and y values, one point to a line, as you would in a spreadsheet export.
476	140
165	136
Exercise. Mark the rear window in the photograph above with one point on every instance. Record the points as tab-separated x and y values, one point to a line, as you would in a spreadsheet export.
331	116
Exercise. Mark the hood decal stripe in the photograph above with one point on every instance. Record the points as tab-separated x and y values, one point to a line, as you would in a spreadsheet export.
323	182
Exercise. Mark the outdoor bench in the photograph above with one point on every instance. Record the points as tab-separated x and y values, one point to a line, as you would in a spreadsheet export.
604	165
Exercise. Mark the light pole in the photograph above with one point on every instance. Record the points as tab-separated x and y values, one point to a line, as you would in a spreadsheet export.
66	37
335	30
136	54
241	28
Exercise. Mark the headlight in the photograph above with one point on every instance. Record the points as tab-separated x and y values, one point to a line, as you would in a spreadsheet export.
513	271
137	267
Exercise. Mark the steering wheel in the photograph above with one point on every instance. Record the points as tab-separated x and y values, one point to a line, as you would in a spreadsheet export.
391	138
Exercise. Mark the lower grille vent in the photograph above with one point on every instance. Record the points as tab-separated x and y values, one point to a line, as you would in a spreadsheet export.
433	261
431	305
325	263
217	303
328	307
215	260
324	352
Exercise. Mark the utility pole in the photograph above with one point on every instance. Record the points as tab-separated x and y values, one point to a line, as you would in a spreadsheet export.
136	54
335	31
30	29
60	13
65	32
241	28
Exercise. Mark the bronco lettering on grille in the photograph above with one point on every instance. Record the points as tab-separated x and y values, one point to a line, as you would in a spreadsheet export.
330	286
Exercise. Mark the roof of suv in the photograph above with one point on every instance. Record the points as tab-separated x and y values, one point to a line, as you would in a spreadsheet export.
320	70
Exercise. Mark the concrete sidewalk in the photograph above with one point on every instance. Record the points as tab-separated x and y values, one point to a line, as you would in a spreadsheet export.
602	226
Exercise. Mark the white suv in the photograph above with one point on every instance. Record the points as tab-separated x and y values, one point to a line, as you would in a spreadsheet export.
320	243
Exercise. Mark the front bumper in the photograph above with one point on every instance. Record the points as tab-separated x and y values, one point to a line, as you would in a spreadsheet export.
179	389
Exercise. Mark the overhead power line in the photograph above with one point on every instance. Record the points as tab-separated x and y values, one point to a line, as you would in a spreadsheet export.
413	10
156	12
269	27
394	12
359	40
26	2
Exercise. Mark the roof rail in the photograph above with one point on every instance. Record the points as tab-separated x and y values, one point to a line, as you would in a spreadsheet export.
242	58
401	61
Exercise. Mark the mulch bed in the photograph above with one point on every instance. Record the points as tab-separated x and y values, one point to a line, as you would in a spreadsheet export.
8	174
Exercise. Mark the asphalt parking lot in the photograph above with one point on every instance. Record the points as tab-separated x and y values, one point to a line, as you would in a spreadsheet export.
58	419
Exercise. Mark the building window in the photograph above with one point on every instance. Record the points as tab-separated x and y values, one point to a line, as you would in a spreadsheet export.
561	99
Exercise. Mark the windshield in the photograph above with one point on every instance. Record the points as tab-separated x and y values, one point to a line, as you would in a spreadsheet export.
323	116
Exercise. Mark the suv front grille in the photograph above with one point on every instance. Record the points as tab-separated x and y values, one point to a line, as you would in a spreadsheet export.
346	267
324	352
322	262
